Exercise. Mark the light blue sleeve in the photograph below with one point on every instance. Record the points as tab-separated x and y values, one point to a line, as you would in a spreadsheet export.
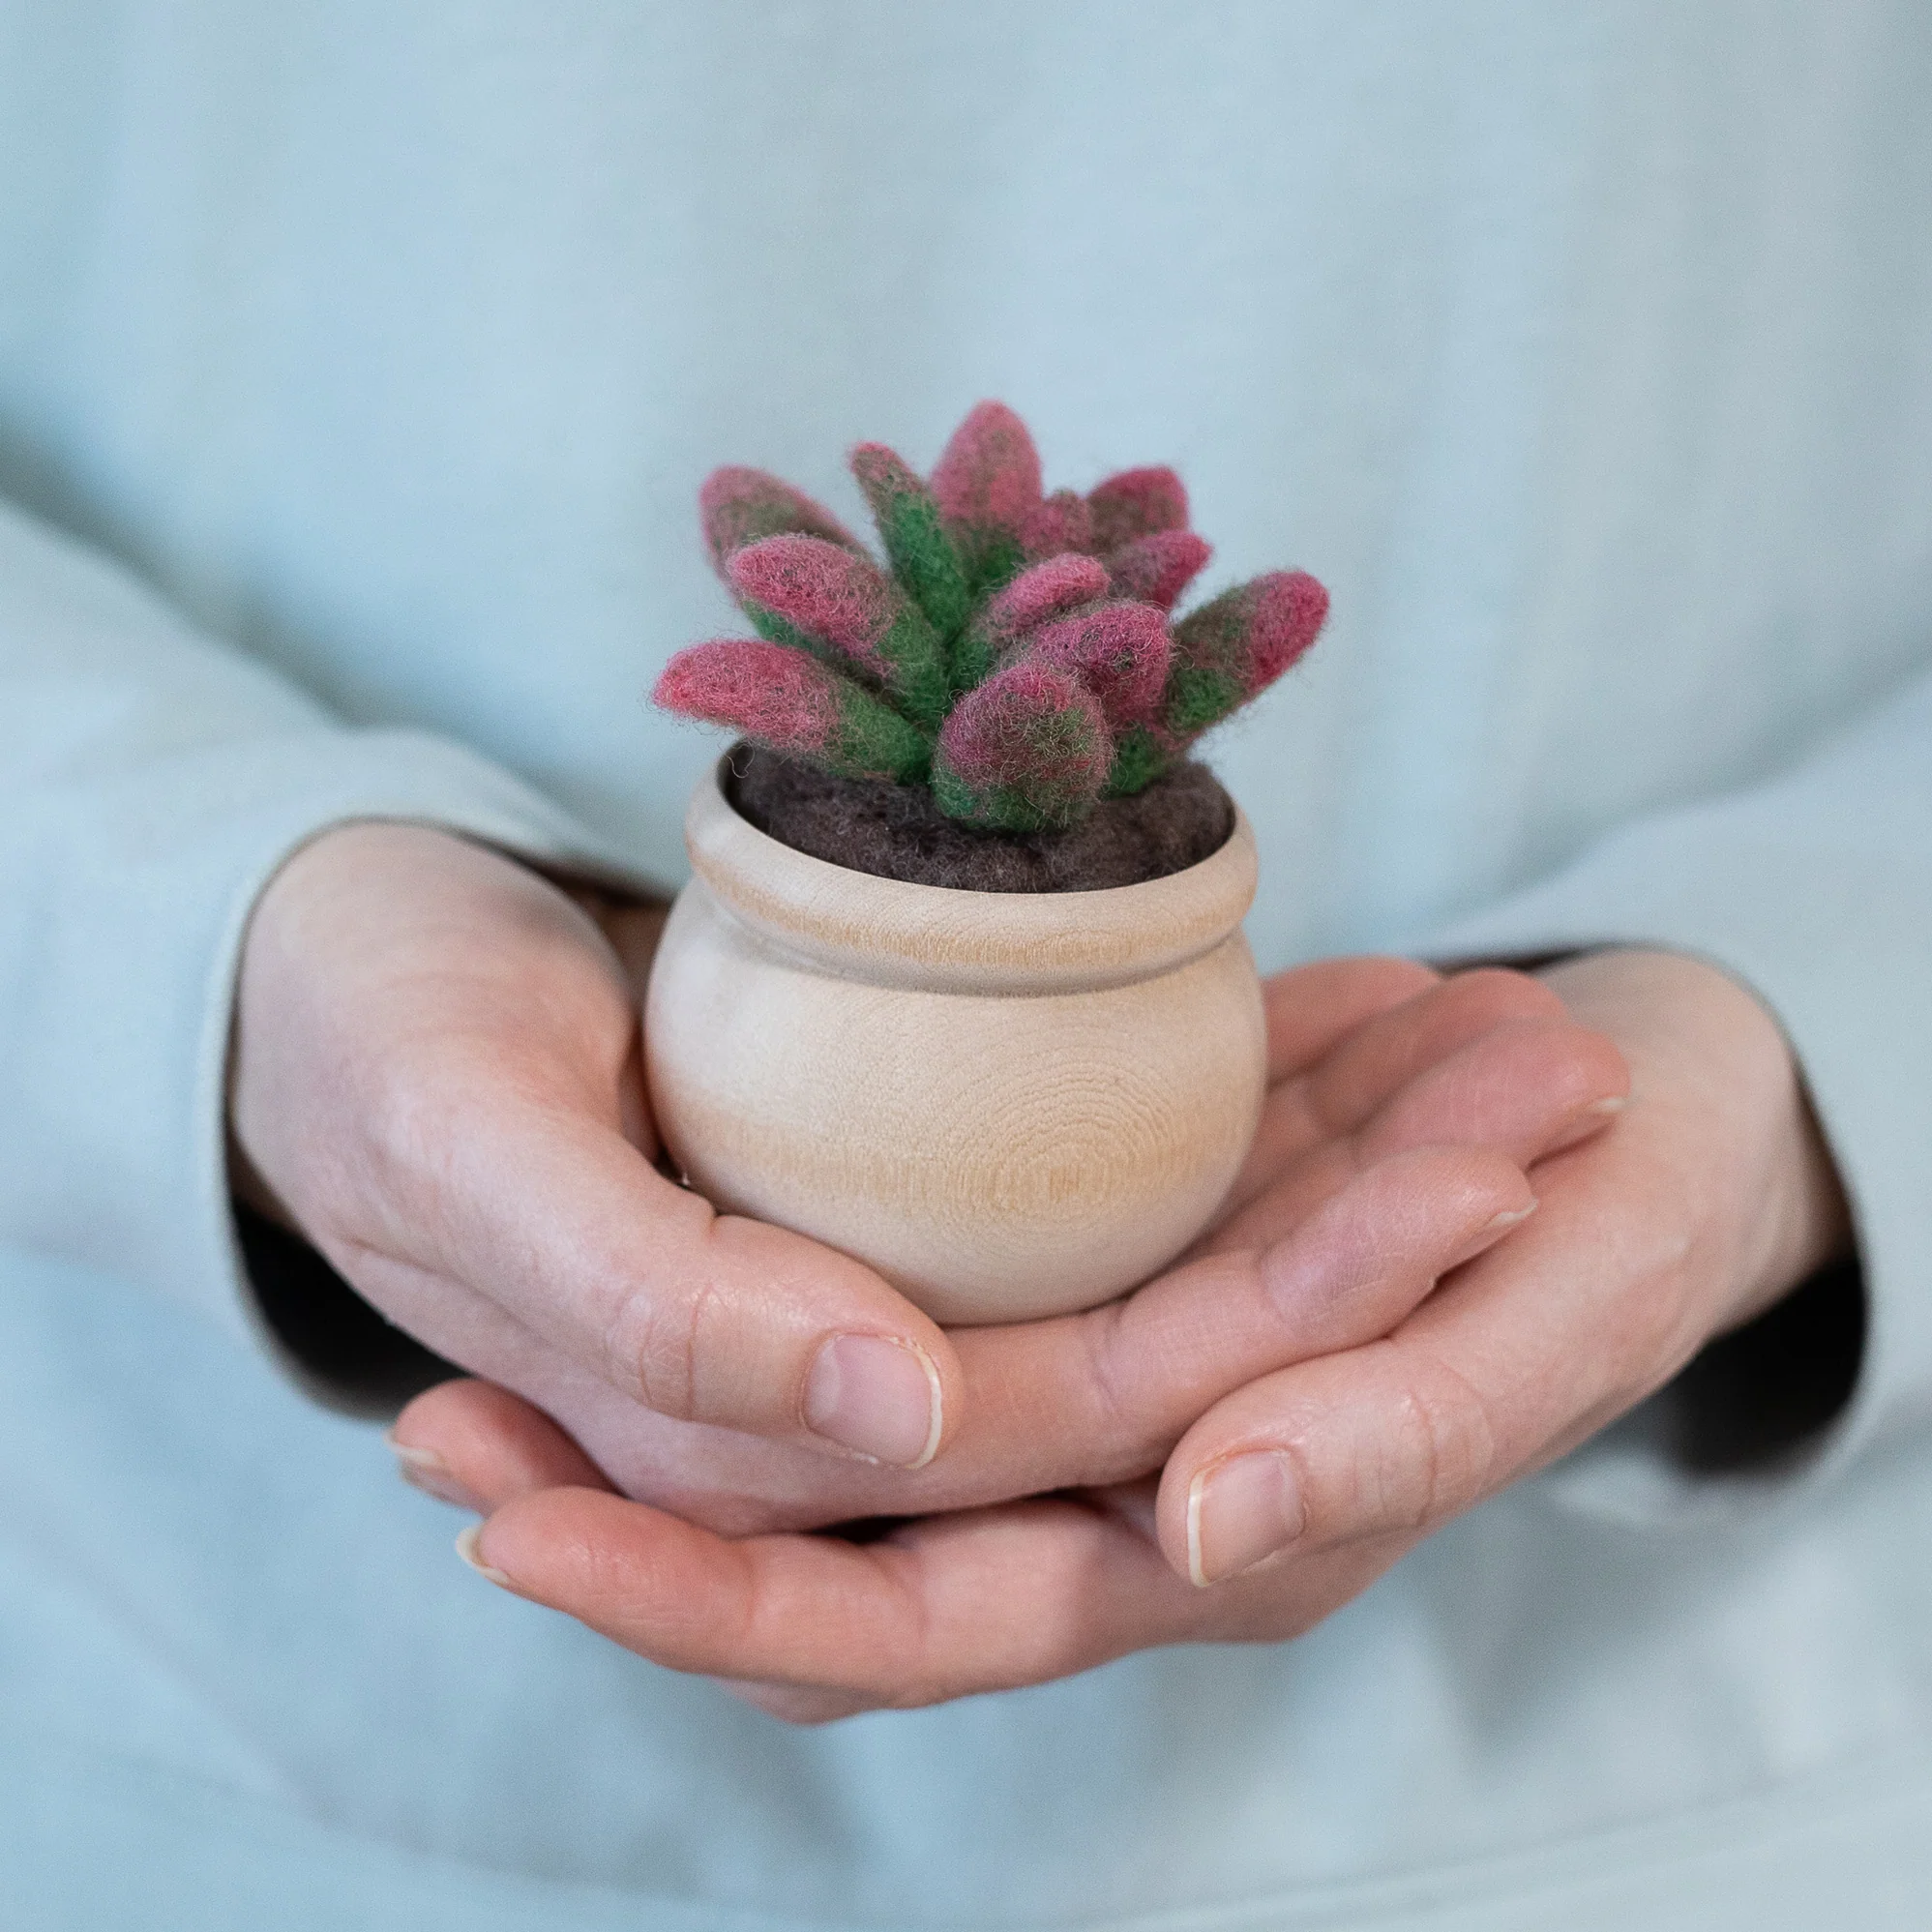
1814	890
151	783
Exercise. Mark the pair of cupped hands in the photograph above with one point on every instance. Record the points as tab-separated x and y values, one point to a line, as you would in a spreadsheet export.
1484	1215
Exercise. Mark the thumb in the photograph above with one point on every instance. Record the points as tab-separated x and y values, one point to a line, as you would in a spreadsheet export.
566	1227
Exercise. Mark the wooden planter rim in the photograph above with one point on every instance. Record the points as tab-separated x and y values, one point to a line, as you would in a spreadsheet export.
890	933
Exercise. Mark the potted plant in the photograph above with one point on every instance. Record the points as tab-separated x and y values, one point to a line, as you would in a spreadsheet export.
959	985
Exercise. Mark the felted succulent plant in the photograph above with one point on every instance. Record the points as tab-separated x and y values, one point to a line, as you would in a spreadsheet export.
1015	653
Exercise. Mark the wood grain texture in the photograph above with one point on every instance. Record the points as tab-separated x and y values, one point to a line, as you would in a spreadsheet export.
1011	1104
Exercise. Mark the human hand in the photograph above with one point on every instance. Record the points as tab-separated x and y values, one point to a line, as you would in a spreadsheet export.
1652	1246
1390	1160
436	1076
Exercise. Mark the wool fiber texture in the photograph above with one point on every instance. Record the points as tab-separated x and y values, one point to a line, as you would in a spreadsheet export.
1062	522
1135	503
1233	648
896	831
1014	658
737	506
1027	751
842	603
909	526
1119	651
1035	597
987	485
1157	569
789	702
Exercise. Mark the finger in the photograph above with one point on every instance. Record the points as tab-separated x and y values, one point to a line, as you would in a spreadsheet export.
1519	1357
796	1704
1525	1087
988	1600
476	1444
1076	1402
811	1628
1132	1503
1082	1401
501	1440
632	928
909	1622
699	1315
1310	1008
1379	1057
1100	1398
1357	1445
1367	1066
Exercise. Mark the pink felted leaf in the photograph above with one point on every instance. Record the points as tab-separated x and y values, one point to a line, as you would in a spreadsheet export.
842	600
1290	608
770	693
1028	749
1119	651
1232	649
1157	569
1062	522
1135	503
738	506
1047	590
789	702
838	601
987	477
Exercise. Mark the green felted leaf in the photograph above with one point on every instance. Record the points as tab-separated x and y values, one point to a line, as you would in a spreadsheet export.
923	557
992	558
1233	647
973	659
773	628
1198	697
872	740
1000	808
738	506
1139	758
921	676
987	485
796	704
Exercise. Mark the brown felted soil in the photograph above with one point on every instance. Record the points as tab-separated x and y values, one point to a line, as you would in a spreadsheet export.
895	831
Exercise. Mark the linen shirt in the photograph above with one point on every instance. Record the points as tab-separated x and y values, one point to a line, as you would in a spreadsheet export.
358	367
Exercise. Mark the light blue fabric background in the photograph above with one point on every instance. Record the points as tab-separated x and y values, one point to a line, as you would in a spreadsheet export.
1584	352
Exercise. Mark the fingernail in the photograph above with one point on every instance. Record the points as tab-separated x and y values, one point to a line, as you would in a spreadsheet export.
1241	1511
1590	1122
1488	1234
425	1469
876	1397
468	1549
1508	1219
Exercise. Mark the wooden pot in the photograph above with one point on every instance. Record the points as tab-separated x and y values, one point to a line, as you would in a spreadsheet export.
1009	1104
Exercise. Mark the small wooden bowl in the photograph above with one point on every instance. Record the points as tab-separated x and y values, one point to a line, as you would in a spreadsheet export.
1009	1104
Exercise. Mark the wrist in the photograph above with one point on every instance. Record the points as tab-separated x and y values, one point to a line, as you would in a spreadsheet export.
1701	1043
1816	1218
